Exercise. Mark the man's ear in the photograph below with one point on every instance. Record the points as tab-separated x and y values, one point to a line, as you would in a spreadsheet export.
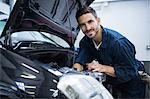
98	20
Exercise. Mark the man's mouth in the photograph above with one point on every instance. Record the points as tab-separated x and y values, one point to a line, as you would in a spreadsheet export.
90	35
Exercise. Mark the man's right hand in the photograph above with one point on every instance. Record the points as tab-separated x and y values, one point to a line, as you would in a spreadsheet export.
78	67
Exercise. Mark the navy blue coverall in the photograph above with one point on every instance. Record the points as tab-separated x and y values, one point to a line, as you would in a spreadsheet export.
117	51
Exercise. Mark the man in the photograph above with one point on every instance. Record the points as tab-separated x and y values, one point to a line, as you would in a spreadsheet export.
115	55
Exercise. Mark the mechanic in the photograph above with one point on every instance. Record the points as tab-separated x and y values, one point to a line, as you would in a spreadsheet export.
115	55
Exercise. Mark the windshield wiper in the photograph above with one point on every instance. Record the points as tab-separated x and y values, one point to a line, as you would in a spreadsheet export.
51	39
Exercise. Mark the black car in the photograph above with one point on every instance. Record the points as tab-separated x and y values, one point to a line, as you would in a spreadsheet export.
37	40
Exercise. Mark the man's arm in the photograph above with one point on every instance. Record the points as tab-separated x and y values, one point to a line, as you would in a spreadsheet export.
109	70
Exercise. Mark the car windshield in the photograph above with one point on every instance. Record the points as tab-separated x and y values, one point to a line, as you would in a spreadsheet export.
38	36
2	24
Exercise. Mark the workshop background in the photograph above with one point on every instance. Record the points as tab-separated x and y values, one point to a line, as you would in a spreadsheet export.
129	17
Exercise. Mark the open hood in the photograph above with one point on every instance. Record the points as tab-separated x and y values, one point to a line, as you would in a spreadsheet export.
51	16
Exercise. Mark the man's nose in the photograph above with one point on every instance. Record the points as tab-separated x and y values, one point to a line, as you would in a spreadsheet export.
88	27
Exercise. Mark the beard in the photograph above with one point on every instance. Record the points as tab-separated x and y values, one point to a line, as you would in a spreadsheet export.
92	32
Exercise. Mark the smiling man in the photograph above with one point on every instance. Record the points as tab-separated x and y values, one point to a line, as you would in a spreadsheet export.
114	53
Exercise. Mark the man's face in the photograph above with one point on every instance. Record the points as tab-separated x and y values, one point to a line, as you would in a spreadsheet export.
89	24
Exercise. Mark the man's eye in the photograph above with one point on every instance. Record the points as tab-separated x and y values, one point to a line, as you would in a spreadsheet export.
90	21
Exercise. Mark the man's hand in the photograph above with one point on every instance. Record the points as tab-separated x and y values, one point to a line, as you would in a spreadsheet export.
145	77
95	66
78	67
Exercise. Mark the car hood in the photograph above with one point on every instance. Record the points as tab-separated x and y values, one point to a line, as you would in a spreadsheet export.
51	16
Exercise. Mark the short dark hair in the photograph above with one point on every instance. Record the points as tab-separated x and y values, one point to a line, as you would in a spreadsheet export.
84	10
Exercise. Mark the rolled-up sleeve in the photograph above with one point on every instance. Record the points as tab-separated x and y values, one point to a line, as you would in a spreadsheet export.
124	60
